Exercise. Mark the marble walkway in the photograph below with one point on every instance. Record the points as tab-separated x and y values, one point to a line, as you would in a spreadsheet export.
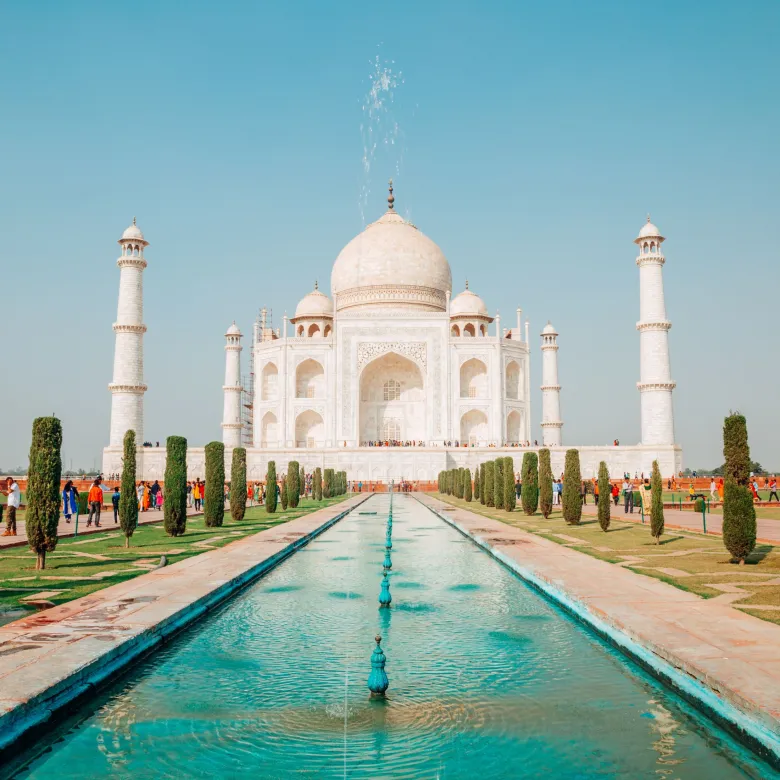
718	648
51	657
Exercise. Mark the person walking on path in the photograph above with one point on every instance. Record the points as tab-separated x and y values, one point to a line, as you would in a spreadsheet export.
140	494
95	500
583	492
155	489
147	497
189	495
773	489
615	493
115	504
159	499
14	500
197	494
67	501
713	489
721	488
628	497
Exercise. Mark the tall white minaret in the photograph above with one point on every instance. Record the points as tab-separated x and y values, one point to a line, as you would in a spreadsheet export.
231	415
655	383
127	387
551	390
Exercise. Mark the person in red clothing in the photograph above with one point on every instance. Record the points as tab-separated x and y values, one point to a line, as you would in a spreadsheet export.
95	500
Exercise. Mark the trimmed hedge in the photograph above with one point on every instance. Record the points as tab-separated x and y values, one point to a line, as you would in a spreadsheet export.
605	497
467	485
739	513
482	483
490	482
237	484
476	483
529	494
43	487
572	479
498	483
545	483
284	494
317	486
175	503
214	503
270	488
293	483
128	498
656	504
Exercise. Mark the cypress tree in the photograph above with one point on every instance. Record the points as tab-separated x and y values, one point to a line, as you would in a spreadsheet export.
545	483
482	496
490	482
302	482
605	497
510	497
270	488
327	490
439	482
214	504
43	487
283	493
530	480
128	498
572	501
467	485
238	484
498	483
476	483
461	483
739	513
317	488
657	503
175	504
293	483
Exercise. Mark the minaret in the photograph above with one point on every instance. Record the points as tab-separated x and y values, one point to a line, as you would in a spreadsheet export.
128	388
655	382
231	415
551	390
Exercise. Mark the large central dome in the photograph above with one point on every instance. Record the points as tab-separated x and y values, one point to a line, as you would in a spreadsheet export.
391	264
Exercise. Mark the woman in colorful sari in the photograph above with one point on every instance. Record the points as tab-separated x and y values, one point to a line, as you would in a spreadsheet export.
721	488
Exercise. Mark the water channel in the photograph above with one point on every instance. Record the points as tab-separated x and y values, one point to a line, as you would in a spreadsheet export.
487	680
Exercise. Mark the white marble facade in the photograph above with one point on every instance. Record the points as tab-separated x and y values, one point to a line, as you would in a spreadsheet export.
393	356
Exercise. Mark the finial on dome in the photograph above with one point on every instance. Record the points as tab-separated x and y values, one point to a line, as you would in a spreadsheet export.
134	221
648	216
467	284
316	285
390	198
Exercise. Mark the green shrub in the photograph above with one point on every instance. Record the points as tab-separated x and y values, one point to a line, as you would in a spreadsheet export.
328	489
214	503
317	487
283	494
739	512
43	487
498	483
270	488
175	503
237	484
128	498
605	494
545	483
83	504
490	482
656	504
699	505
476	483
529	479
467	485
482	482
293	483
572	479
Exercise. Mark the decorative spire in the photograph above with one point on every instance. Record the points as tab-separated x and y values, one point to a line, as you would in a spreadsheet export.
316	285
467	284
648	216
390	198
136	225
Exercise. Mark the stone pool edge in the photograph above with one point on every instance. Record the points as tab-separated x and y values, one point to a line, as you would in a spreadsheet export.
735	719
30	715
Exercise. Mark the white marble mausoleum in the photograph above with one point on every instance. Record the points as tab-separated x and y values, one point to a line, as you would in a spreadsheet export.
393	356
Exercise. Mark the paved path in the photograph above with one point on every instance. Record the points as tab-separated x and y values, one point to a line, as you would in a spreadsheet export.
732	653
767	530
48	658
65	529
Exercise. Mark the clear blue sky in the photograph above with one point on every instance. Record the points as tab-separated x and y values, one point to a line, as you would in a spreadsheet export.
534	137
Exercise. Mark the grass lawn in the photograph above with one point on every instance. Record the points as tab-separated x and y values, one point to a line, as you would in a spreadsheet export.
690	562
83	565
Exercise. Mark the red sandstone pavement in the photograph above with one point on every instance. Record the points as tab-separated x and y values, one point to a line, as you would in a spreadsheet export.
732	653
767	530
65	529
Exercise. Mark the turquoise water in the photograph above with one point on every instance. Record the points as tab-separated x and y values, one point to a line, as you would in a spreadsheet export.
487	680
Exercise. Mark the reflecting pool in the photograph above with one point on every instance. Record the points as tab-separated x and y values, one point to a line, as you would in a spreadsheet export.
487	680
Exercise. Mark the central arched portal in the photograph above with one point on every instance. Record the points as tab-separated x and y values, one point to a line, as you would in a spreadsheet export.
392	400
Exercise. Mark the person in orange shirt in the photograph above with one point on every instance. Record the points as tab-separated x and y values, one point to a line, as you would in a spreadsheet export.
95	500
721	488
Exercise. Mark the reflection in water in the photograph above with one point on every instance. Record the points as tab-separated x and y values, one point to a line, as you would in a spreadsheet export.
487	681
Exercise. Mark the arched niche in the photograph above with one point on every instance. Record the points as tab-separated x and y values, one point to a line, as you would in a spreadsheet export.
473	379
512	380
514	427
392	400
309	429
269	384
309	379
269	436
314	330
454	331
474	427
469	330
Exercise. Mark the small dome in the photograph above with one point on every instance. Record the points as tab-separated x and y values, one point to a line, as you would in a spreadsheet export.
233	330
315	304
549	330
649	230
468	303
133	232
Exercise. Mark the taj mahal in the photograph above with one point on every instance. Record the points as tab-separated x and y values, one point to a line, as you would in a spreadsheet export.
393	376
